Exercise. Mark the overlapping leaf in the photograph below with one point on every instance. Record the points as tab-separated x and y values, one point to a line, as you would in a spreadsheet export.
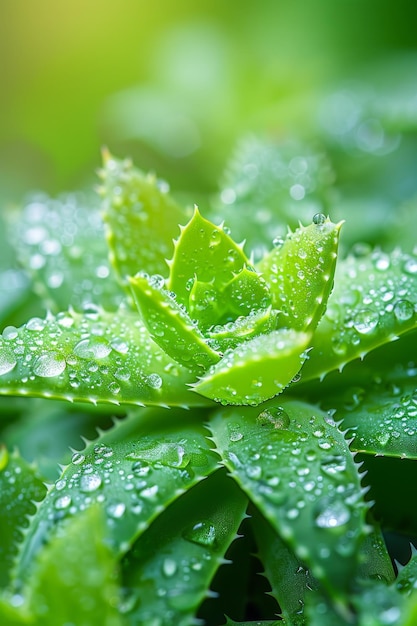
374	300
300	273
296	467
256	370
20	489
141	217
94	356
131	474
193	535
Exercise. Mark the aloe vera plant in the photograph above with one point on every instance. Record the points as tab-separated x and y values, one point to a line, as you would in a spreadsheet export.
154	519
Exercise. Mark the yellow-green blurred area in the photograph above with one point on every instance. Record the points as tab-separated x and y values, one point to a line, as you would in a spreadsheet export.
175	83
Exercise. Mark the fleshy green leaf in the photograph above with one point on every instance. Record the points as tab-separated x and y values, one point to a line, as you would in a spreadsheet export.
74	580
132	471
205	251
406	582
61	244
296	467
170	326
256	370
141	218
246	293
206	305
192	536
289	579
96	357
20	489
300	273
229	335
374	300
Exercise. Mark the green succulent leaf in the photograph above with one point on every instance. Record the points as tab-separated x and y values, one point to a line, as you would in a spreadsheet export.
289	579
56	595
295	465
141	218
61	244
206	252
300	272
192	536
132	471
406	581
94	356
20	490
373	302
206	305
246	293
382	415
170	326
255	370
229	335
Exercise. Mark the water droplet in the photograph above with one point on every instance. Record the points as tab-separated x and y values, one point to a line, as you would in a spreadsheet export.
331	514
36	324
65	320
202	533
62	502
154	381
114	388
49	365
90	482
365	321
403	310
410	266
319	219
333	465
149	492
94	347
116	510
7	361
9	333
60	484
119	345
77	458
234	432
215	238
169	567
254	471
122	373
278	242
275	416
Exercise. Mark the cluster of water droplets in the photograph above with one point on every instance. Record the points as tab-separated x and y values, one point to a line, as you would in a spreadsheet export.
94	355
300	474
375	294
62	243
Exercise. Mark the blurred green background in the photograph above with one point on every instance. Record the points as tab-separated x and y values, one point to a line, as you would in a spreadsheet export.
175	83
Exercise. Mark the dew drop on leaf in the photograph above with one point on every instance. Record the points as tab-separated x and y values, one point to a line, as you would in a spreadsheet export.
62	502
7	361
410	266
403	310
202	533
116	510
274	416
169	567
49	365
77	458
319	218
365	321
90	482
332	514
154	381
94	347
36	324
10	333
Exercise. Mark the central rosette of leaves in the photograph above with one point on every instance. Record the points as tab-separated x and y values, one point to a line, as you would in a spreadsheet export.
243	330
